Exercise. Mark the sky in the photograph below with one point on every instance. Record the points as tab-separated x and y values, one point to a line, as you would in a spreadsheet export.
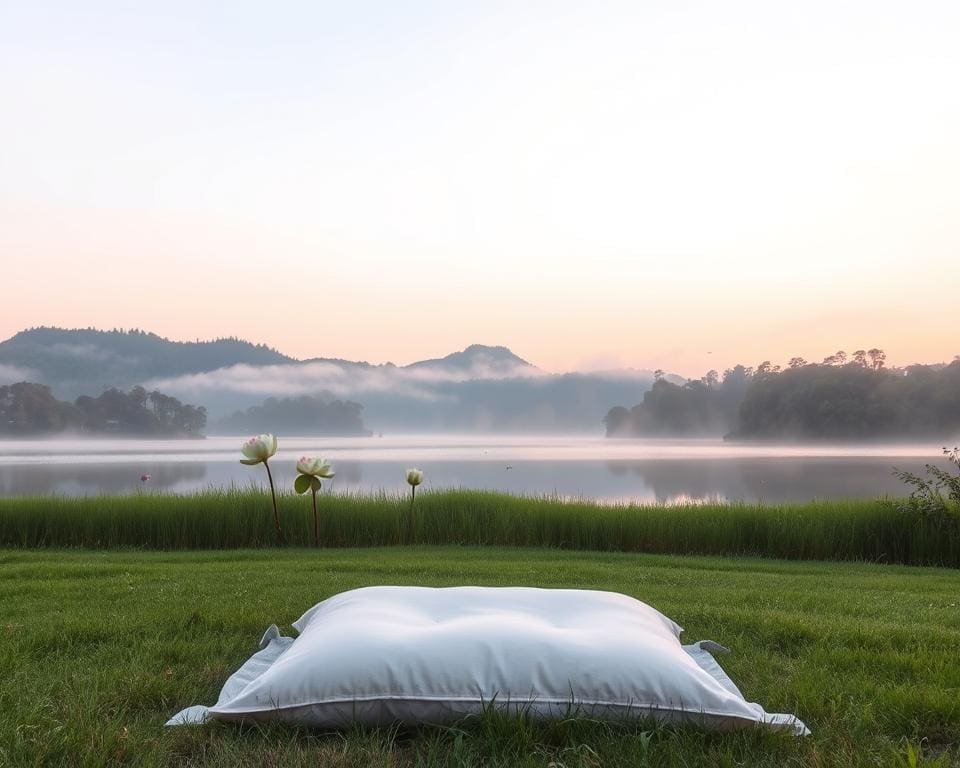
680	185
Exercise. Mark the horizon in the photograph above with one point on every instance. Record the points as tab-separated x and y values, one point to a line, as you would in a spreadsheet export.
519	354
598	187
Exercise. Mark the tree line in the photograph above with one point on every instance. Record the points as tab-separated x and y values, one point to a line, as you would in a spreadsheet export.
853	396
319	414
27	408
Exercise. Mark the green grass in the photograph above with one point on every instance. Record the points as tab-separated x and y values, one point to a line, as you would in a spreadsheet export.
97	649
873	531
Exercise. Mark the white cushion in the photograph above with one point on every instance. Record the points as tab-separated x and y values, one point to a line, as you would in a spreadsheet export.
381	655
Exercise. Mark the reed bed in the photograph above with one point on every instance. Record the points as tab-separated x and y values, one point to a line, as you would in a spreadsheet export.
858	530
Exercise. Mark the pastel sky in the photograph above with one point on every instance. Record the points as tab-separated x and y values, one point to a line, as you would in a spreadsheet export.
677	184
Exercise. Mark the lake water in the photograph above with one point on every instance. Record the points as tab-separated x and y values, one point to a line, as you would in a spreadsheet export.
665	471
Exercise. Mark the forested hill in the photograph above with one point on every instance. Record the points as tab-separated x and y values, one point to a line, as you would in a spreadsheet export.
313	415
838	399
852	401
31	410
78	360
478	389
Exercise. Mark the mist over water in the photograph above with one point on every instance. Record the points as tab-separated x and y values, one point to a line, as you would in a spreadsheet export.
643	471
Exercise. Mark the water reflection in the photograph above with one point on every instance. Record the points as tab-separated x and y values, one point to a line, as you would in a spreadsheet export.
774	479
86	479
640	471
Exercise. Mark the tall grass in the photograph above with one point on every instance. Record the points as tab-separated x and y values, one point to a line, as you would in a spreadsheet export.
868	530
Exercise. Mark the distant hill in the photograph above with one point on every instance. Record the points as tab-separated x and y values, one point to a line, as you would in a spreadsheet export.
844	398
86	360
304	415
480	388
480	362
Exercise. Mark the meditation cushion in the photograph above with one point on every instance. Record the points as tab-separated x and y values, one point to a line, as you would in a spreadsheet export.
382	655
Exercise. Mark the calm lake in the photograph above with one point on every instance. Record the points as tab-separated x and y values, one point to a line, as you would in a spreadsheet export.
665	471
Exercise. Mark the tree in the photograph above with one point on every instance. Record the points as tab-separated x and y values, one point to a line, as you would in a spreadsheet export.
860	358
28	409
617	420
805	401
138	395
852	402
797	362
706	406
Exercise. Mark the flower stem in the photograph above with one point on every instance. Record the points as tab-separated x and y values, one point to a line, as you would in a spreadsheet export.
273	495
413	496
316	520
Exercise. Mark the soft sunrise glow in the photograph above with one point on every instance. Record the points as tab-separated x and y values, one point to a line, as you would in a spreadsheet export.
675	185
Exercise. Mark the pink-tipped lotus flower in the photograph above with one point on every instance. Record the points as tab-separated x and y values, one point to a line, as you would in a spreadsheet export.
257	451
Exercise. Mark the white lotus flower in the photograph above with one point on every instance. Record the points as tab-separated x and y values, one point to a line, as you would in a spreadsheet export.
313	466
414	477
258	449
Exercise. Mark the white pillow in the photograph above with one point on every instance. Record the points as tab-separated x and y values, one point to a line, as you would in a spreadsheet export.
381	655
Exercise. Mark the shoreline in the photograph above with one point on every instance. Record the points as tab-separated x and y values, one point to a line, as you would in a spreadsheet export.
880	530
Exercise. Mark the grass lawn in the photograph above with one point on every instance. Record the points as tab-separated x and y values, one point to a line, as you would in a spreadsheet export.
98	649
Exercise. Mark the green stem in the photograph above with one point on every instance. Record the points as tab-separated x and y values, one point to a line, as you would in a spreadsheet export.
413	496
316	519
273	495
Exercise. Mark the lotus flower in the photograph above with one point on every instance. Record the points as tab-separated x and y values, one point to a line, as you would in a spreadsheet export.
258	449
311	469
311	466
414	477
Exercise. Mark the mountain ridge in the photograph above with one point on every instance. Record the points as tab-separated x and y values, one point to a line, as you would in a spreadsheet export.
498	360
45	341
480	387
